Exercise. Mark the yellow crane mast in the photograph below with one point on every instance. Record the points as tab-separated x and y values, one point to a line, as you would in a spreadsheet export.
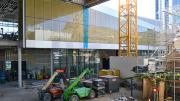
127	28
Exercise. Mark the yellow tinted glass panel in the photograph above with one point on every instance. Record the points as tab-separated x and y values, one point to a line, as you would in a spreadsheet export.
39	29
47	9
47	29
77	14
30	8
30	34
77	34
39	8
62	33
62	11
55	30
54	20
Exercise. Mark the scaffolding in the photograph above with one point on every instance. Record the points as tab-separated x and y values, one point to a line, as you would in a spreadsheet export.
171	55
127	28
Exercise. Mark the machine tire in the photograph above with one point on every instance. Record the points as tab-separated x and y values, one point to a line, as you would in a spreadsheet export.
40	96
47	97
92	94
62	98
74	98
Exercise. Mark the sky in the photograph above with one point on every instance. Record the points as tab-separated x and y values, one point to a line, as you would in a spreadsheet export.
146	8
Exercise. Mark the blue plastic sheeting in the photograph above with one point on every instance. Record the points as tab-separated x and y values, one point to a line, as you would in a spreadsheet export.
85	26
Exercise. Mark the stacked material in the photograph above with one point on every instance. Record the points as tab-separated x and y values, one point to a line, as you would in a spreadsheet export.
114	72
87	83
99	87
111	83
105	72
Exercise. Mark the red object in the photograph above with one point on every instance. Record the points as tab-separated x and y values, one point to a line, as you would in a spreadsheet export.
155	90
56	91
60	71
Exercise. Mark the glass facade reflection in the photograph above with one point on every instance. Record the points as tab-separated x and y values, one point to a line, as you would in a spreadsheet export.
55	20
51	20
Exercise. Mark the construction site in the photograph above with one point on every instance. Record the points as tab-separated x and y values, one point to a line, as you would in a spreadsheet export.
89	50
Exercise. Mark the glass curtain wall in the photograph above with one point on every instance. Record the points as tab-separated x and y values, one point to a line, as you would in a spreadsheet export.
103	28
53	20
75	61
56	20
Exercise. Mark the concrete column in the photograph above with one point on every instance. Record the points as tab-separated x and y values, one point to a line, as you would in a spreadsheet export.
19	67
51	62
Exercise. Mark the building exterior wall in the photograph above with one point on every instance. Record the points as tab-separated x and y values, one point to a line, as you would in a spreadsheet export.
35	58
46	21
64	24
73	61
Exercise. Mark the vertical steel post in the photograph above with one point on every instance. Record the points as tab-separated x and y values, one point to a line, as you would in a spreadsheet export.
19	67
51	62
119	33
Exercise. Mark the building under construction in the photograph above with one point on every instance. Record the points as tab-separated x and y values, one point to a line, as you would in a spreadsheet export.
40	37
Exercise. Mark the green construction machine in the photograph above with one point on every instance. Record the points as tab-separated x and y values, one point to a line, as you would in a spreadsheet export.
73	92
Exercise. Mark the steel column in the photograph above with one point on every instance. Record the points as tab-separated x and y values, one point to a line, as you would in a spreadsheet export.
19	67
51	54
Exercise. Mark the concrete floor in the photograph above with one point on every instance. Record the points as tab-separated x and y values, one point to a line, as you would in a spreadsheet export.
12	93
